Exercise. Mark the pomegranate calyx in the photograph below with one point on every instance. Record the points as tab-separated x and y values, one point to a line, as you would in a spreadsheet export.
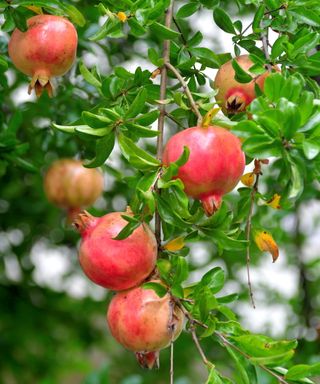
148	360
235	104
84	221
39	83
211	204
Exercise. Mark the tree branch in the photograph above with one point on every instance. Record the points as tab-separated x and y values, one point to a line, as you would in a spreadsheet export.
162	108
186	90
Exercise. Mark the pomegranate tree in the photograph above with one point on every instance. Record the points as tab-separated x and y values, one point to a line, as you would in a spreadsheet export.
232	96
70	185
143	322
215	165
48	48
111	263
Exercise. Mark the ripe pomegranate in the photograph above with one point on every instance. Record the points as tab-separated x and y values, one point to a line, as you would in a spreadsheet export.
144	323
215	165
70	185
115	264
46	49
234	97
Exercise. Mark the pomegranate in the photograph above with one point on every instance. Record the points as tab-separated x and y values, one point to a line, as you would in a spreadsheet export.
46	49
70	185
215	165
234	97
144	323
115	264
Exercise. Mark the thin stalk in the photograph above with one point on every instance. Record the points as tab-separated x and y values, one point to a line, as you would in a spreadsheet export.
162	108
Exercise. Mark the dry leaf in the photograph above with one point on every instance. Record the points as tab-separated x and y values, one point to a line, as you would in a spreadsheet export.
34	9
175	244
209	116
248	179
266	243
274	202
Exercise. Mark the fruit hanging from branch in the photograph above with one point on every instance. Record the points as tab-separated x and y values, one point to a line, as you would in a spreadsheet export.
69	185
215	165
111	263
145	323
47	49
234	97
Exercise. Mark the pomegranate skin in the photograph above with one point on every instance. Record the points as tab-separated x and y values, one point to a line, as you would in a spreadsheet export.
68	184
234	97
143	322
215	165
48	48
115	264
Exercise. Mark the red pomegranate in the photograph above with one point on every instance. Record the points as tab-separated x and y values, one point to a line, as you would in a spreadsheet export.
115	264
144	323
234	97
46	49
70	185
215	165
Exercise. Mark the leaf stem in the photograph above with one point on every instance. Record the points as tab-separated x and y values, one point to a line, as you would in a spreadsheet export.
186	91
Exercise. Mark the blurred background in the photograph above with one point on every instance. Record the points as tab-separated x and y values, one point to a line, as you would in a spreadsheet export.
52	319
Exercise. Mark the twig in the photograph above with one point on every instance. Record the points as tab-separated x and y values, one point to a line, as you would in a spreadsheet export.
265	43
171	363
162	108
257	172
225	342
228	343
193	330
186	90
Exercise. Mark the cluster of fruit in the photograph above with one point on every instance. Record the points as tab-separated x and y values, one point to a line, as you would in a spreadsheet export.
138	318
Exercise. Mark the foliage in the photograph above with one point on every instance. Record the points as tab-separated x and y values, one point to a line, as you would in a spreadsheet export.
108	117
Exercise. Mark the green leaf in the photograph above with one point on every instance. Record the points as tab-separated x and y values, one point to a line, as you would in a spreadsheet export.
168	214
88	76
296	182
310	149
290	117
278	46
214	377
95	121
256	24
242	367
223	20
73	12
306	16
104	147
214	279
127	230
273	86
137	105
302	371
160	289
138	158
98	132
187	10
163	32
140	130
240	74
147	118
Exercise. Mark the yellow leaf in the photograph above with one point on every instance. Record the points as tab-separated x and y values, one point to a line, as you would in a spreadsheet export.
209	116
34	9
274	202
175	244
248	179
122	17
266	243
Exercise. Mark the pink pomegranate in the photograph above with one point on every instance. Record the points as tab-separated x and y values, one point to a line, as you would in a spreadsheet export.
215	165
46	49
70	185
144	323
234	97
115	264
